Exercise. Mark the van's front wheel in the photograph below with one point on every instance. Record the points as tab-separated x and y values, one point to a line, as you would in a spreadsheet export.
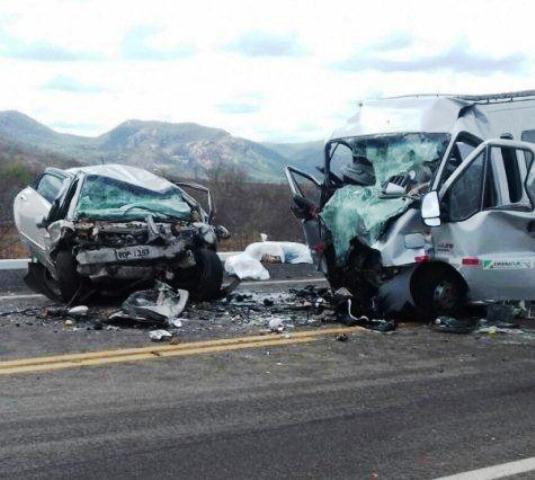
437	290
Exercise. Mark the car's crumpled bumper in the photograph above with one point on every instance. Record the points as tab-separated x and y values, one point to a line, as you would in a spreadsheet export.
129	254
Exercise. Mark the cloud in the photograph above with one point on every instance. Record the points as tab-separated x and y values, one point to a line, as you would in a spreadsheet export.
136	46
456	59
394	41
237	108
263	44
42	51
68	84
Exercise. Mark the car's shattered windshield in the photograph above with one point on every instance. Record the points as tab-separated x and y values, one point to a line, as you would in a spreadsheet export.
375	159
102	198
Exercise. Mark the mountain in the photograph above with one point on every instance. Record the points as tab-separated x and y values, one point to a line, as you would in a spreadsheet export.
306	155
187	150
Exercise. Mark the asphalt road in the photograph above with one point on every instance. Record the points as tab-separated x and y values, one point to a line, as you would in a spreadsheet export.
412	404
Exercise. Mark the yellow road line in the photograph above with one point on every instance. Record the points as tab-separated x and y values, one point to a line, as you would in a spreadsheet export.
57	362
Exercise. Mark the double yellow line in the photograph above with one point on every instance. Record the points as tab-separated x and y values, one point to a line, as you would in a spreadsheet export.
106	357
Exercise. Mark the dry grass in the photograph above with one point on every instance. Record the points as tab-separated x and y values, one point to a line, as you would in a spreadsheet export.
10	246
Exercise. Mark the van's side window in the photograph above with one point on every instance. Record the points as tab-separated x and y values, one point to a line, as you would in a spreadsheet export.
463	199
509	168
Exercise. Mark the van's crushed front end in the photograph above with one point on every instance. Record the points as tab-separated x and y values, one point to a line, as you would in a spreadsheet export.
371	238
374	235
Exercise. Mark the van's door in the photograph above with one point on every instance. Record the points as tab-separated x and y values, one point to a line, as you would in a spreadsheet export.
306	193
488	228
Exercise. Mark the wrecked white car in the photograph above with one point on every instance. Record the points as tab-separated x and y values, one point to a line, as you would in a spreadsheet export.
426	202
110	228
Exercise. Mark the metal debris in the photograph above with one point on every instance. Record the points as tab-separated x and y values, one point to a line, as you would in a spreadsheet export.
161	304
159	335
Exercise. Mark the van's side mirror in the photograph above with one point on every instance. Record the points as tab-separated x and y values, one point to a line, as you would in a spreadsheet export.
431	209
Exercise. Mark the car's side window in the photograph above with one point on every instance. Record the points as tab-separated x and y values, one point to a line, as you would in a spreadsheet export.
463	199
49	186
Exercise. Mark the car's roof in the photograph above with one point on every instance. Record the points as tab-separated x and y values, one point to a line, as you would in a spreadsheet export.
126	173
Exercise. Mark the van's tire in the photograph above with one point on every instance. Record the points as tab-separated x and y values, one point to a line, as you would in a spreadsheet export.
438	290
68	280
208	275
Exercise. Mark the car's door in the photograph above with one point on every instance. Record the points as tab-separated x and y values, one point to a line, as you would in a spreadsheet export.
32	205
488	221
306	192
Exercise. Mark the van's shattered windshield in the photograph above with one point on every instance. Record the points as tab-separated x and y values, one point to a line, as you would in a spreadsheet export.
369	166
373	160
102	198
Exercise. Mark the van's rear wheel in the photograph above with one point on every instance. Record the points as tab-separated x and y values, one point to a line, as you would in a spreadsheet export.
437	290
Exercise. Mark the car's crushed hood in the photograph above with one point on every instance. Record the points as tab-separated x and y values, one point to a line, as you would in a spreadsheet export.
127	174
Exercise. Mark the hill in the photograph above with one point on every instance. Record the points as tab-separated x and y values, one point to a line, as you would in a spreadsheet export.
184	149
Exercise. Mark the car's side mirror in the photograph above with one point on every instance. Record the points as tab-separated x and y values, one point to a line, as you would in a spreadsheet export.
42	222
431	209
221	232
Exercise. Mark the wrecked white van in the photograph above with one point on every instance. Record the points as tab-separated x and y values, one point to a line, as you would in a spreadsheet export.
426	202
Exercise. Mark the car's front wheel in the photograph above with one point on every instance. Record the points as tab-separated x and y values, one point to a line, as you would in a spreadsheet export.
69	280
203	281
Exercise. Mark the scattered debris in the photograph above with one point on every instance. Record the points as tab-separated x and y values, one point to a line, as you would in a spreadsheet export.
379	325
455	325
342	337
276	325
159	335
175	323
160	304
78	312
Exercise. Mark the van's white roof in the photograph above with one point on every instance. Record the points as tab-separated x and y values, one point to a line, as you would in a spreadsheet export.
419	113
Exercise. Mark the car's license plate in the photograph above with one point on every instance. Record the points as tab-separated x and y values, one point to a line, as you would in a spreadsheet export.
132	253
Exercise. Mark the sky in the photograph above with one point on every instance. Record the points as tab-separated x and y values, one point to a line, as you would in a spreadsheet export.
267	70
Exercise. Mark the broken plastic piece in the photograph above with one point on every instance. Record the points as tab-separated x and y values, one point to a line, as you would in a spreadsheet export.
79	311
276	325
455	325
161	304
175	323
159	335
